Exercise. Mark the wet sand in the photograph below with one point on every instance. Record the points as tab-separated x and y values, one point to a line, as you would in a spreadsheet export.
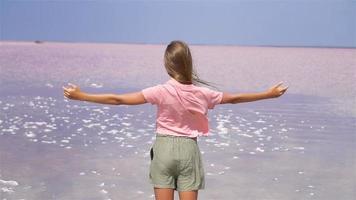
299	146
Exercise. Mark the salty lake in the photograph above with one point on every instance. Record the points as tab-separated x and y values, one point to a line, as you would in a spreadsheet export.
298	146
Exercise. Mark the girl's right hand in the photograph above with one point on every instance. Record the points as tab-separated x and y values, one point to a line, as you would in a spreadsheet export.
276	90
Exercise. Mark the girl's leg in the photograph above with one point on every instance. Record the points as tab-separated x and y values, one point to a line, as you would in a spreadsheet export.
164	193
188	195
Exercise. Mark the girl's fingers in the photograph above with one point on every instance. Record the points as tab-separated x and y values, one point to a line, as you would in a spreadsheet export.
68	90
280	83
74	86
284	90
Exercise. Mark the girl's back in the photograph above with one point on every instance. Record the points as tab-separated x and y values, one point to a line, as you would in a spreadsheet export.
182	108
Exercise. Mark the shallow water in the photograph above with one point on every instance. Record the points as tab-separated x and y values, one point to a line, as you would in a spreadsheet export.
299	146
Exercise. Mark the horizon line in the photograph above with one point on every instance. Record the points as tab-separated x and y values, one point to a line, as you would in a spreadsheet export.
193	44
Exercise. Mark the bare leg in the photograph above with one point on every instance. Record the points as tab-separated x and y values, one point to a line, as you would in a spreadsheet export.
164	193
189	195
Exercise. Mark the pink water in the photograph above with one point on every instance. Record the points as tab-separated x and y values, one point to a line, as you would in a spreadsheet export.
299	146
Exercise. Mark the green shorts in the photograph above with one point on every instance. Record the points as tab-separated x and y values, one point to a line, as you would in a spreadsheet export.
176	163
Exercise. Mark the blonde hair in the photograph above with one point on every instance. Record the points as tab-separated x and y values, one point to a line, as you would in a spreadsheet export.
179	64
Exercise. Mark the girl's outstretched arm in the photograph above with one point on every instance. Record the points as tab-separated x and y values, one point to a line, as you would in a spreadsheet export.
73	92
272	92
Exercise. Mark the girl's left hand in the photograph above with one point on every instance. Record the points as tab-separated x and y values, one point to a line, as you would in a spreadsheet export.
72	92
276	90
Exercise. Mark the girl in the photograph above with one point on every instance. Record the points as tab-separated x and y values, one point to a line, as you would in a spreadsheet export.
182	116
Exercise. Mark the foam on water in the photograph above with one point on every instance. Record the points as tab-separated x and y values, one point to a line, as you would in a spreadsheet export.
8	186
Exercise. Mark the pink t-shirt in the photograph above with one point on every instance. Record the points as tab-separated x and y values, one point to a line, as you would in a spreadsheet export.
182	109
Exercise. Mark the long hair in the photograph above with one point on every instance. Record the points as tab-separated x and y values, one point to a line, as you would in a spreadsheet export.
179	64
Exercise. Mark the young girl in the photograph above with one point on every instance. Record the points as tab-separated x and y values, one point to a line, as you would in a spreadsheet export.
182	116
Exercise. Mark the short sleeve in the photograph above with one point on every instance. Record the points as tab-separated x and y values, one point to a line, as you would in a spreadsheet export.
214	98
152	94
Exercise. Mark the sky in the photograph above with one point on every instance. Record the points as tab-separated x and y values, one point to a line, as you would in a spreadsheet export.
315	23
